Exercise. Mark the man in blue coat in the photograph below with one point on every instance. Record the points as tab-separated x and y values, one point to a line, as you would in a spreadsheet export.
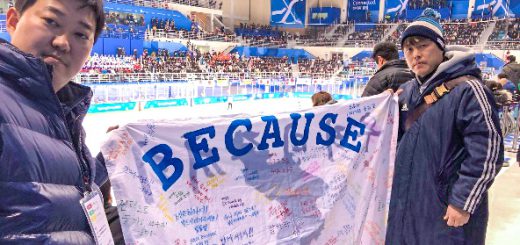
450	146
45	166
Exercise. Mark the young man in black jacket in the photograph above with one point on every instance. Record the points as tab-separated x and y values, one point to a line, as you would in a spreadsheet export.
391	73
511	70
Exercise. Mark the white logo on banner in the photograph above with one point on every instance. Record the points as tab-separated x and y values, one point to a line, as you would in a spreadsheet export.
304	177
399	8
496	5
286	11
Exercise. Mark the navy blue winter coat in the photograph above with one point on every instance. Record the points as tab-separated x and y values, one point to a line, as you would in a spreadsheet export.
43	156
450	155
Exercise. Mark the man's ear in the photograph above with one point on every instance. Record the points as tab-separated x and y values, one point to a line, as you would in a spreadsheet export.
12	18
380	60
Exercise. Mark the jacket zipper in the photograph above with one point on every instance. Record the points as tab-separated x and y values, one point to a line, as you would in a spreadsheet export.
85	174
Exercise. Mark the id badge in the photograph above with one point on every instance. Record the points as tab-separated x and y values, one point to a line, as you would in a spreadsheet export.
93	208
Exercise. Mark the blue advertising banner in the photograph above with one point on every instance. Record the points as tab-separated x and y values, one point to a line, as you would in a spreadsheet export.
363	10
493	8
515	8
209	100
242	97
288	13
165	103
109	107
459	9
324	16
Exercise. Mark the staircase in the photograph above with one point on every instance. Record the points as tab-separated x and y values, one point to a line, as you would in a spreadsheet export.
329	33
389	32
219	23
228	49
484	36
341	41
295	70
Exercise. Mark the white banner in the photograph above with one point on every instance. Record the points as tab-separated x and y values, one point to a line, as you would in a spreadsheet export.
316	176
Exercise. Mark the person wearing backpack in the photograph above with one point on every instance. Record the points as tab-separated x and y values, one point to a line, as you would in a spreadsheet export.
450	147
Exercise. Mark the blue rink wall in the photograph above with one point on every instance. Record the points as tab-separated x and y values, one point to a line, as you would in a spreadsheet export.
112	97
155	104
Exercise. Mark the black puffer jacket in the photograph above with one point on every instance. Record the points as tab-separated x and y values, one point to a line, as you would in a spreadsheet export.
512	70
391	75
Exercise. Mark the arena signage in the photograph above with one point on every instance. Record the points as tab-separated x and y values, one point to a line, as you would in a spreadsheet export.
363	10
258	179
110	107
324	15
288	13
497	8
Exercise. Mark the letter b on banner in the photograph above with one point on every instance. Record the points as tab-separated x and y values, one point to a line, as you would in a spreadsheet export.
166	161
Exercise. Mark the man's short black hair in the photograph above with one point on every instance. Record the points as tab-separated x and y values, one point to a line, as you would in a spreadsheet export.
502	75
512	58
95	5
386	50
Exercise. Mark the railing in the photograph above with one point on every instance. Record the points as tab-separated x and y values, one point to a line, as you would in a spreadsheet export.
360	43
182	34
265	42
211	4
315	42
177	93
170	77
123	35
514	45
118	97
3	27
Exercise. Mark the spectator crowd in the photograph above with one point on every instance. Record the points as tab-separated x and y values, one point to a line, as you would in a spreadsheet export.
319	65
506	29
197	62
463	33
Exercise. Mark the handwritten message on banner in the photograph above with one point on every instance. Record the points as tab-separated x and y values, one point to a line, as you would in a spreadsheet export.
316	176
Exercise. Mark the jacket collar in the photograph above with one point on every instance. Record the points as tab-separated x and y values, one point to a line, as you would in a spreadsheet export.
31	75
75	97
391	63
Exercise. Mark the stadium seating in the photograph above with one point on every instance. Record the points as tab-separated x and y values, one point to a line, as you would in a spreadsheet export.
212	4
